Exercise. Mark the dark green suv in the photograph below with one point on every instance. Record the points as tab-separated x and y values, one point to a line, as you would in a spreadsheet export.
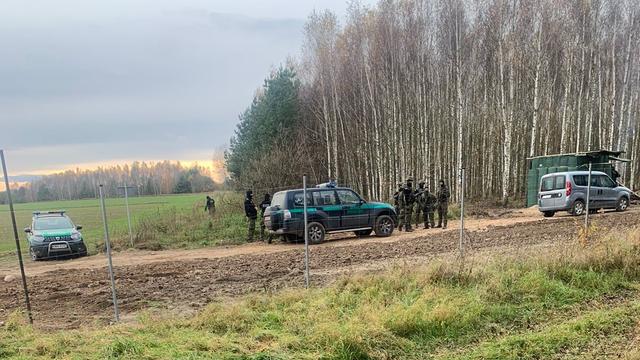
53	235
329	210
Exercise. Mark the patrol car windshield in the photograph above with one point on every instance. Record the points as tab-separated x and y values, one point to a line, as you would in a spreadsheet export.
52	223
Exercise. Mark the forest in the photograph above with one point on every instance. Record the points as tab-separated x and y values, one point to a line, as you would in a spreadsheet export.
423	88
142	178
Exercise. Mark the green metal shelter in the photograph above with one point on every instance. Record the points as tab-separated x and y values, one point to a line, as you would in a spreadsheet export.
601	160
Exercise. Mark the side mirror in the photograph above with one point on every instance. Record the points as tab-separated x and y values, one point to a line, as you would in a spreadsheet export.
78	227
27	230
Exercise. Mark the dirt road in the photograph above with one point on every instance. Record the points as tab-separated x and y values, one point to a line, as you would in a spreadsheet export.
73	293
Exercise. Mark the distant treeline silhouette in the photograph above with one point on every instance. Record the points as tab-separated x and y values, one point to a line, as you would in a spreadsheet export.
143	178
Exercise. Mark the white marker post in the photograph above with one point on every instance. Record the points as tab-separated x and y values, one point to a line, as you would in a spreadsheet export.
109	262
126	201
461	245
586	215
306	232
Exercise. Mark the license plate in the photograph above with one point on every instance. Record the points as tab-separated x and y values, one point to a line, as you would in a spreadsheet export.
546	196
59	246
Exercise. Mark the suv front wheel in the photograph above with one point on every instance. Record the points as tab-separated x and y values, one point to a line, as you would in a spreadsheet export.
315	232
384	226
623	204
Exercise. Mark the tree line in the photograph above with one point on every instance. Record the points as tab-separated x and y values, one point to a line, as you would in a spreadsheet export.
142	179
422	88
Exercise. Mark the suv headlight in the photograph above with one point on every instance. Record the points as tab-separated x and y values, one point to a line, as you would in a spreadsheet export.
76	236
287	215
37	238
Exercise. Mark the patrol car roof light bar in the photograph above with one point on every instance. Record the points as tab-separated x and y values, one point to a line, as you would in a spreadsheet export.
61	212
330	184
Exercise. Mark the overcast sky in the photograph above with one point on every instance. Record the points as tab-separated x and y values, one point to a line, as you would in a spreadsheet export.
86	82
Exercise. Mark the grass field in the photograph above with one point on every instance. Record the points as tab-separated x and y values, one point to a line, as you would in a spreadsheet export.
581	302
177	215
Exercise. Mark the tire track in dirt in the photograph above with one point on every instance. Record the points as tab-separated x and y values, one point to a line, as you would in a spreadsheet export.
68	298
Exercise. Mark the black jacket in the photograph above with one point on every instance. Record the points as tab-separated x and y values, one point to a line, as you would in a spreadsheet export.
264	205
250	209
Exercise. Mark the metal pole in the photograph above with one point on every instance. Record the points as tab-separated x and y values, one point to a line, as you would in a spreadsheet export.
306	232
16	237
109	262
126	201
586	217
461	245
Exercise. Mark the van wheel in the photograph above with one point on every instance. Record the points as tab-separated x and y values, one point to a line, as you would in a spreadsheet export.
384	226
315	233
578	208
549	213
623	204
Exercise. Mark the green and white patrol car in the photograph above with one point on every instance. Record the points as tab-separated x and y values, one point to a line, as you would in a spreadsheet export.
330	209
53	235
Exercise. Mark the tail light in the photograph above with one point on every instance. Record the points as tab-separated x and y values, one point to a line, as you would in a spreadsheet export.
568	187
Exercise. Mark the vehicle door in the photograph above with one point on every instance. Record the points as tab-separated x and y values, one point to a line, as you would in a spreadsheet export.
560	190
609	195
580	183
354	214
547	195
328	208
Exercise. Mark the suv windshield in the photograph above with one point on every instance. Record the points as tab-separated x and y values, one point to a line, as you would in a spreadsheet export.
52	223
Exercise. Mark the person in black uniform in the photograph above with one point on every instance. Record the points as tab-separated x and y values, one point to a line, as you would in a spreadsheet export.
251	214
210	206
263	206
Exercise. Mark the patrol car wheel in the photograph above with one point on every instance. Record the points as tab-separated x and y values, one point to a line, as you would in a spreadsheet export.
623	204
33	255
384	226
549	213
315	233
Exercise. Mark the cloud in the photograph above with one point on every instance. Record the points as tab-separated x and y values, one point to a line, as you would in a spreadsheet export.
154	87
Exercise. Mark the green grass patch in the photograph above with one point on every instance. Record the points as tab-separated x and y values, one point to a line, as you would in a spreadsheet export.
159	222
544	307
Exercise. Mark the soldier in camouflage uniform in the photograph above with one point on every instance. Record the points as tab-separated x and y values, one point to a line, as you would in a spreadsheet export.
430	203
443	204
407	204
396	204
419	199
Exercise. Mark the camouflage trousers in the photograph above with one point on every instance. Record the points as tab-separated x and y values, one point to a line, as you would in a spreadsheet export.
251	229
443	209
400	217
263	232
406	213
429	219
419	214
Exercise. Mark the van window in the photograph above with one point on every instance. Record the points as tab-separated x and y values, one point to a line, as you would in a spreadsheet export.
580	180
605	181
547	184
559	182
325	197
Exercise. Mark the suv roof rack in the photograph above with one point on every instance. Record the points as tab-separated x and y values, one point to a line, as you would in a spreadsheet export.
330	184
52	212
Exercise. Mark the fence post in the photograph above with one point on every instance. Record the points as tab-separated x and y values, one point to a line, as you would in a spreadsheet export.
306	232
109	262
16	237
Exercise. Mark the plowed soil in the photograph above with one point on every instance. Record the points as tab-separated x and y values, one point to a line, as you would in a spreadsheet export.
77	292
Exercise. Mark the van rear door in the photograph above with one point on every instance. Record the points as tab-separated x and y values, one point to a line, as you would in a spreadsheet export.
547	195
